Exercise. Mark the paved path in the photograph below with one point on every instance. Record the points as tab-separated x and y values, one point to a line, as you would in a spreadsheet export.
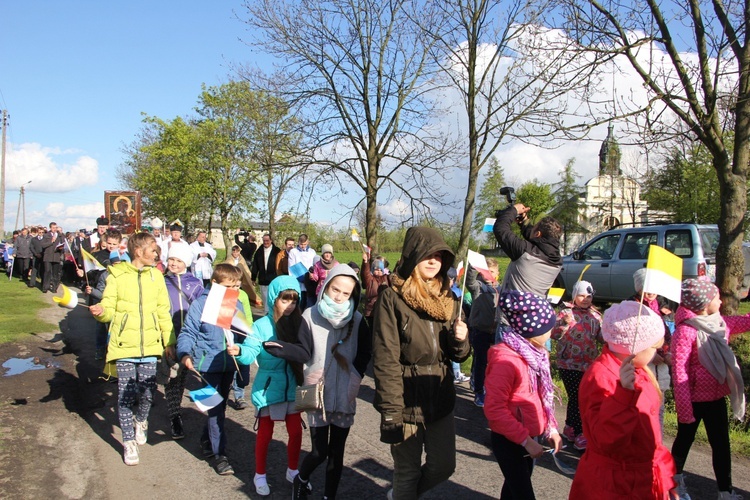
59	439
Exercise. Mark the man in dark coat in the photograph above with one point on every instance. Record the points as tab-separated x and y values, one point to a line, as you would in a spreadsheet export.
53	245
263	267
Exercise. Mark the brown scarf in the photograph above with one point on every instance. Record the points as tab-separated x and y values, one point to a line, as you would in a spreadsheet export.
426	296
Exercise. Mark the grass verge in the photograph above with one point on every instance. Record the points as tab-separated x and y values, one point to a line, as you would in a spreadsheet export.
19	313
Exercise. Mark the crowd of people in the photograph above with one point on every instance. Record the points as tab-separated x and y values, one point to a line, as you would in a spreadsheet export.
321	323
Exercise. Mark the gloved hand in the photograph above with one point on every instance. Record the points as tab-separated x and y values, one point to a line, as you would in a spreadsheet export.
391	429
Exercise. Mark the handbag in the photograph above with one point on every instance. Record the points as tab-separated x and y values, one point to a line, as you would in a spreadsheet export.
310	397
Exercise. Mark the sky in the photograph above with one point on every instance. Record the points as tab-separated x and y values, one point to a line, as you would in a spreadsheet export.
77	76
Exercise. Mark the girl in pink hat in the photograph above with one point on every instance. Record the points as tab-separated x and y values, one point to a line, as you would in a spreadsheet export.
619	400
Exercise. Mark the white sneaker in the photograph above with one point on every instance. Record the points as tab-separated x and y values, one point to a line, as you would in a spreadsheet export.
261	485
729	495
141	429
291	474
460	378
389	495
130	453
682	493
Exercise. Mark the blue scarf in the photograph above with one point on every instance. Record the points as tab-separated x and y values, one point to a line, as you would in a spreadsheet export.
336	314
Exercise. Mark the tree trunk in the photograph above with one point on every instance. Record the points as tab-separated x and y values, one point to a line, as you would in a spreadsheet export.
371	207
271	205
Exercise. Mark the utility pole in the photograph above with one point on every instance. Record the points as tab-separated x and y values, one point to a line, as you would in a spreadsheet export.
2	178
21	203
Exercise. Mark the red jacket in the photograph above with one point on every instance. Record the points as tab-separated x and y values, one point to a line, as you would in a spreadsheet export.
625	458
692	382
512	406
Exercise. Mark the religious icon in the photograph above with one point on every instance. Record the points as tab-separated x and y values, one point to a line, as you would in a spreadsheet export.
123	208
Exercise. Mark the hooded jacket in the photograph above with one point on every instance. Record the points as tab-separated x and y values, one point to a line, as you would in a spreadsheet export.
203	342
136	305
274	382
535	262
412	352
341	384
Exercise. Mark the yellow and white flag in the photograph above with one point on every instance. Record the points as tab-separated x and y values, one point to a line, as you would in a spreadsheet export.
663	273
355	235
90	263
555	295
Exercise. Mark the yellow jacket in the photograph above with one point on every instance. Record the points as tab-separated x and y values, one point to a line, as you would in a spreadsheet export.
136	304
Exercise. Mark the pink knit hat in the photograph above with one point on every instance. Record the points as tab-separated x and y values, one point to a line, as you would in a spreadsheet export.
625	333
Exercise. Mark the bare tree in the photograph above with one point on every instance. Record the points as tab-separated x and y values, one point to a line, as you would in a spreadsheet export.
359	73
512	76
692	58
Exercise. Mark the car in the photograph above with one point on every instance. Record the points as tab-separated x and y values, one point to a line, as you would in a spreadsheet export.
614	256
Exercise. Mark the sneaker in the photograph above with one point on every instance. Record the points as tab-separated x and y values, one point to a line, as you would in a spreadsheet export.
177	431
389	495
206	448
460	378
130	452
240	404
682	493
729	495
569	433
301	489
261	485
580	442
222	466
141	429
479	400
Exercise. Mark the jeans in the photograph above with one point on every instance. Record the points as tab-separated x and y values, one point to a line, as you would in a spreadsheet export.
213	431
515	467
481	343
264	298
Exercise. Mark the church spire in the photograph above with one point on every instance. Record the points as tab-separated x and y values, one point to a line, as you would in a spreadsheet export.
609	154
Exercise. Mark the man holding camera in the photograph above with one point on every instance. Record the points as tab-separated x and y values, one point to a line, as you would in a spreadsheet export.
535	258
247	244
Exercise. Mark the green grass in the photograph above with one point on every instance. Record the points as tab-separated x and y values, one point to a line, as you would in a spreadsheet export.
19	314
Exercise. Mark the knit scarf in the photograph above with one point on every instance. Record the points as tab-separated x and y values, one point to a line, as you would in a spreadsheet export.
328	264
438	304
336	314
717	357
539	372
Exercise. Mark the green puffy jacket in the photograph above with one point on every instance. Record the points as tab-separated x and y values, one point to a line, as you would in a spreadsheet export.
136	304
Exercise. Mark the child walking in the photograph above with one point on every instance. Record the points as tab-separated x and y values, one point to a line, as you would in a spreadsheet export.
136	303
275	345
204	348
619	400
576	330
519	391
340	352
704	373
184	289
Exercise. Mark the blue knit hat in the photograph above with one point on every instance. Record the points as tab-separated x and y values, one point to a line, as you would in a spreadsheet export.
530	315
115	256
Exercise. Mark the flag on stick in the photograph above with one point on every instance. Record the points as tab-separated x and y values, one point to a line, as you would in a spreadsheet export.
367	249
555	295
460	270
69	298
297	270
355	236
220	306
205	398
241	324
478	262
90	263
663	273
488	225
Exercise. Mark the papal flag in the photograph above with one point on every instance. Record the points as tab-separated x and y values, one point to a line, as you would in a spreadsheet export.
555	295
663	273
90	263
355	235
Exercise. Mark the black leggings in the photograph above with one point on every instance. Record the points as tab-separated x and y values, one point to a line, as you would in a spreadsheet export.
516	466
572	381
716	421
322	448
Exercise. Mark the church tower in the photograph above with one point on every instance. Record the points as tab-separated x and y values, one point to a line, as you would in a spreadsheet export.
609	155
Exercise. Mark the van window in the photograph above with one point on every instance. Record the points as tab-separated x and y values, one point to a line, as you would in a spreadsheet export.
602	249
709	241
679	242
636	245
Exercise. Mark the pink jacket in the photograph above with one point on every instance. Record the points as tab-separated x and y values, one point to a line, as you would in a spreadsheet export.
576	342
319	274
625	458
692	382
512	406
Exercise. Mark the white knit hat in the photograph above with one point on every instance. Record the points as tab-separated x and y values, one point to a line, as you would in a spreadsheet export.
181	251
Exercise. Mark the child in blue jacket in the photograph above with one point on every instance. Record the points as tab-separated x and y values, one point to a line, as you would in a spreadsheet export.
203	347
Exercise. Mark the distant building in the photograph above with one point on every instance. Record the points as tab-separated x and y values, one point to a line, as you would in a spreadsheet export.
610	199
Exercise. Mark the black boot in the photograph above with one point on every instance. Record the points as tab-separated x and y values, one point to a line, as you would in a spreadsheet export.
300	488
177	432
